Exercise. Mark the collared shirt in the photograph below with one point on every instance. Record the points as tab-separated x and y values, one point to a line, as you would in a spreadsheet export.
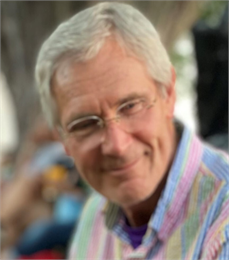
191	220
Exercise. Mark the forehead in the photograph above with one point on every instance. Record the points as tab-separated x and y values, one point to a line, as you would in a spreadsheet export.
111	75
111	61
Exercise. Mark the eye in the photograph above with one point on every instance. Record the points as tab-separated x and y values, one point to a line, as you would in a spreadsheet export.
131	107
83	126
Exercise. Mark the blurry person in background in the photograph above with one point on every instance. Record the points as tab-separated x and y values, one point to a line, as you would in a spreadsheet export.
25	183
107	85
41	204
9	130
211	47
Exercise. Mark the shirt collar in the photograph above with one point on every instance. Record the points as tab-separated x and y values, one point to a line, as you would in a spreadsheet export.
180	179
112	213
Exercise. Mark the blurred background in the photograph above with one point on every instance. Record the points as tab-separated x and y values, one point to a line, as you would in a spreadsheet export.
42	194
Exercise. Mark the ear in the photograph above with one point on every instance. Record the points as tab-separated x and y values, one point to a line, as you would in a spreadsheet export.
56	134
60	138
66	150
171	95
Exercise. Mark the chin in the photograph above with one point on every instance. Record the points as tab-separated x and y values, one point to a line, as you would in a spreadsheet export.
130	198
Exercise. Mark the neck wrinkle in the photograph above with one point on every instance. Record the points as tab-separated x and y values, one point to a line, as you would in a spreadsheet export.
139	215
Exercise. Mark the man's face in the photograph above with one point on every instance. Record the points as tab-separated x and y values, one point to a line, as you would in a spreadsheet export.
124	162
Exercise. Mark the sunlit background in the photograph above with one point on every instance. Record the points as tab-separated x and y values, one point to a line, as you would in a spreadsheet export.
182	55
25	25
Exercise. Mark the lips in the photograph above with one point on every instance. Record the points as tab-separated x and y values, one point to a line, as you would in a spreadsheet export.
120	170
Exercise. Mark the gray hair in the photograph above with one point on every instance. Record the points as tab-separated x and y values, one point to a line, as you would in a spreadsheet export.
83	35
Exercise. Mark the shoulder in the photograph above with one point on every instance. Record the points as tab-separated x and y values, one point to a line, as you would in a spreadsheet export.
94	206
215	163
214	180
92	217
94	202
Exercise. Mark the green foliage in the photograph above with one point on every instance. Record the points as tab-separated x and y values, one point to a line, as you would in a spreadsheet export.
212	12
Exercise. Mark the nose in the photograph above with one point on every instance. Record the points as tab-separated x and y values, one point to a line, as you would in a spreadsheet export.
116	141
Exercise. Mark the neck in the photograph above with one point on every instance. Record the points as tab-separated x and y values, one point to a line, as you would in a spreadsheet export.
139	215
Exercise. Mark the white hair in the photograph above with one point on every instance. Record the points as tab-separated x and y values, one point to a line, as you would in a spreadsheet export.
83	35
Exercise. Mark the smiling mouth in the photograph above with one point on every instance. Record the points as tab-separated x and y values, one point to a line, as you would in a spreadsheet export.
117	171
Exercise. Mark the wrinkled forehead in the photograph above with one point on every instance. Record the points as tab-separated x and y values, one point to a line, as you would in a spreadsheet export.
99	84
68	67
62	72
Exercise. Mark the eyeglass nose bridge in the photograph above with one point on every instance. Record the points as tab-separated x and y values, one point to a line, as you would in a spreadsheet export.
105	122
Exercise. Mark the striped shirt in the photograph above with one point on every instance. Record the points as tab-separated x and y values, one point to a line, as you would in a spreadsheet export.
191	220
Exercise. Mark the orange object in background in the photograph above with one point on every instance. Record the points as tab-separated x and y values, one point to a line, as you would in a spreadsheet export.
44	254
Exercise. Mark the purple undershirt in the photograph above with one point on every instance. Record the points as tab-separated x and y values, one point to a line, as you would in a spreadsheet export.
135	234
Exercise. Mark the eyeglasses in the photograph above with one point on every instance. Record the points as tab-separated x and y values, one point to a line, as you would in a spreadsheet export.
127	116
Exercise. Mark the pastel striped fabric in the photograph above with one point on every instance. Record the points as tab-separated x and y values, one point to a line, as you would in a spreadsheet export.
191	220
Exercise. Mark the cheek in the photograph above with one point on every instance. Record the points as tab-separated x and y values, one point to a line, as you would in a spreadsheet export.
148	132
154	136
152	126
74	152
85	161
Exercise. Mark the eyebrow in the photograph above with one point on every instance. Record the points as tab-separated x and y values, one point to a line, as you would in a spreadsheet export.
128	98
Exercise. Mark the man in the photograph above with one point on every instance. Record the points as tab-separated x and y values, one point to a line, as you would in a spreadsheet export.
212	65
107	85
